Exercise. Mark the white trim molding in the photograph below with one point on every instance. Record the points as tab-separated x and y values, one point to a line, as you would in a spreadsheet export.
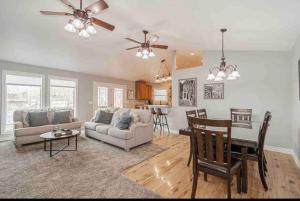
284	151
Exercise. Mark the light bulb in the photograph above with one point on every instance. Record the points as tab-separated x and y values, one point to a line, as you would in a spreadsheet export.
145	56
70	27
169	78
145	52
78	24
139	53
91	29
211	77
231	77
151	54
221	74
218	79
83	33
236	74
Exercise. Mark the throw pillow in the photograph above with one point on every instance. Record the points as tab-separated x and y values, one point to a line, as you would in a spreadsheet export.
38	119
125	121
104	117
61	117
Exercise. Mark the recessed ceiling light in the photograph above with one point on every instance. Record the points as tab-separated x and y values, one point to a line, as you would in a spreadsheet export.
192	53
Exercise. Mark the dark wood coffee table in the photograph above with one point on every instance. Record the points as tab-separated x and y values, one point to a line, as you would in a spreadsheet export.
50	137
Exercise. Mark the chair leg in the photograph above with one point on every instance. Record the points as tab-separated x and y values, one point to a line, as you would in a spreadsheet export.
239	181
191	152
265	164
195	183
205	176
159	117
229	187
261	174
167	123
155	121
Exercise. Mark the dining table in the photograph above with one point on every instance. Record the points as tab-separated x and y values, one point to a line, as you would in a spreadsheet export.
239	136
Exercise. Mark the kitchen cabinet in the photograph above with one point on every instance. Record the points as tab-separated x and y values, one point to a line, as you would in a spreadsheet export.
143	91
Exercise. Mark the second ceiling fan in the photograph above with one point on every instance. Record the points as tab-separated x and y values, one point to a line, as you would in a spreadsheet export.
145	48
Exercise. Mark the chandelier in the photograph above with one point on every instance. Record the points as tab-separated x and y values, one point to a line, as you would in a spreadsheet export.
164	74
224	71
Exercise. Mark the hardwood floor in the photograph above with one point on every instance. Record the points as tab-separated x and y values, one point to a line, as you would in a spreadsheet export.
168	175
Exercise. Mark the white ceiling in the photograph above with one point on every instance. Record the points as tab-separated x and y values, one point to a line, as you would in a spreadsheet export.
26	36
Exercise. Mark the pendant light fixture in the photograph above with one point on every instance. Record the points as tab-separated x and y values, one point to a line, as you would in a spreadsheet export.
164	74
229	72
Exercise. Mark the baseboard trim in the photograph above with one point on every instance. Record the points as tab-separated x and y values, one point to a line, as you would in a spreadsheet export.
285	151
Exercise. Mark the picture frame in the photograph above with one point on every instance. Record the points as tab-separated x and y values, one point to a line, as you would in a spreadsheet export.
214	91
130	94
187	92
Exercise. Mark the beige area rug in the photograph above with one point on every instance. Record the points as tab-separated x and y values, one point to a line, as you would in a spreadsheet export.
94	171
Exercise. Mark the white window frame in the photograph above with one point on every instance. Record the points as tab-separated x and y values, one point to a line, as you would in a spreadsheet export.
110	87
154	95
66	79
4	92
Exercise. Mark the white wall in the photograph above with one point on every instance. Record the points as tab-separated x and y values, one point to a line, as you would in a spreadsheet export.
295	56
85	85
265	84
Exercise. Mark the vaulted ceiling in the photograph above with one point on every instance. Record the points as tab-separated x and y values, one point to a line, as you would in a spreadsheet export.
28	37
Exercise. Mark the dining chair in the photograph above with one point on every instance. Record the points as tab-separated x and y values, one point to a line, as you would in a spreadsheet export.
241	118
209	155
191	113
202	113
255	150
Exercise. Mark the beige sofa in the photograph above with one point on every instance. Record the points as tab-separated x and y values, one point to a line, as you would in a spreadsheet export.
25	135
140	131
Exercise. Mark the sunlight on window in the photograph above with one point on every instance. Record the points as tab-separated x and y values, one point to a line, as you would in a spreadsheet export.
118	97
160	95
102	97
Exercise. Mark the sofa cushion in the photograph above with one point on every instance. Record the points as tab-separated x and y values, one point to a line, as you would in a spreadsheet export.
117	115
145	115
104	117
125	121
91	125
103	129
120	134
38	119
73	125
61	117
33	130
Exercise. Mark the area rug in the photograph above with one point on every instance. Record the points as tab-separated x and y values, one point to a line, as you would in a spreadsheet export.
94	171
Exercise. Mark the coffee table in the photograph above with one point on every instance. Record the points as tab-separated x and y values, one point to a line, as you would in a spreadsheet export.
50	137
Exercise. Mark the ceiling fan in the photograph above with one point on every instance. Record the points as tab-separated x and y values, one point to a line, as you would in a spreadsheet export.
81	18
145	48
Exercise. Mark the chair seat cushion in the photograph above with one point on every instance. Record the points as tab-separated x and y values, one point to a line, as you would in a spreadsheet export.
91	125
121	134
103	129
235	164
238	149
33	130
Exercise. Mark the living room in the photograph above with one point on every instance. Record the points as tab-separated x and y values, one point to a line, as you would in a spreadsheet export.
110	109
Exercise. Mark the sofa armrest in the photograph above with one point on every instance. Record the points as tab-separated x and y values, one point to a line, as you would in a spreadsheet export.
142	132
18	125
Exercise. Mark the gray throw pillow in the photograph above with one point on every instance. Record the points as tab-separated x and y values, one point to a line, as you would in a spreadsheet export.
38	119
104	117
61	117
125	121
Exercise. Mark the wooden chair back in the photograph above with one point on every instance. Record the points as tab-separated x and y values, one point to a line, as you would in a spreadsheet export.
208	144
202	113
263	132
241	118
191	113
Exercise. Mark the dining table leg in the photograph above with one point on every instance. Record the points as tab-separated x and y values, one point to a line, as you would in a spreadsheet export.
244	170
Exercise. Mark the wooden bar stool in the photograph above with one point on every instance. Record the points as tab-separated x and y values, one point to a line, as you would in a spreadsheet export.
154	116
162	120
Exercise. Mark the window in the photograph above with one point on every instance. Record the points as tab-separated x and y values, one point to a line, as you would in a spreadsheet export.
21	91
102	97
62	93
118	97
161	95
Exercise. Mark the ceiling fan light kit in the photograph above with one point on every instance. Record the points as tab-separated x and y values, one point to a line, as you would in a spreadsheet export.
81	21
218	74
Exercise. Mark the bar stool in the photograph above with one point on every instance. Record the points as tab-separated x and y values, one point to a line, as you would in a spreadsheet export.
161	119
154	116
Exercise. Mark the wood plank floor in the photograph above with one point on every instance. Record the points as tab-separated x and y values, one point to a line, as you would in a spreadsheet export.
167	174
